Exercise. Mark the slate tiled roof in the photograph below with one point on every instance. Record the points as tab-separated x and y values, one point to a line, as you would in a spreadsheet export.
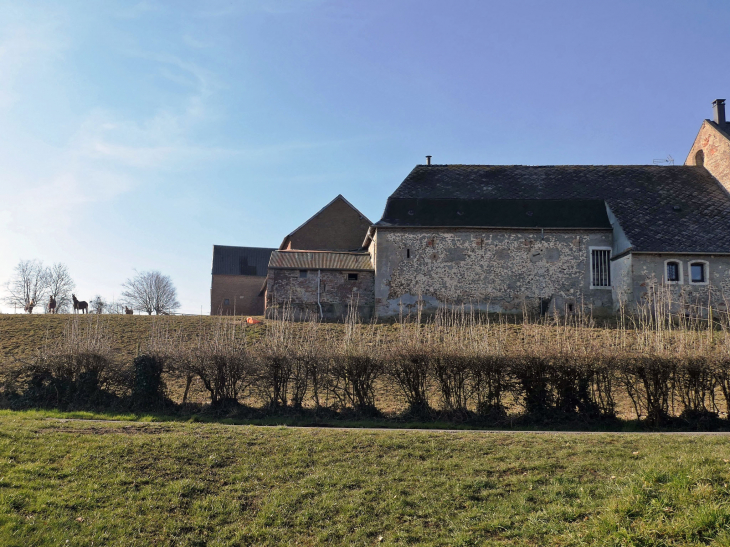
240	260
660	208
320	260
504	213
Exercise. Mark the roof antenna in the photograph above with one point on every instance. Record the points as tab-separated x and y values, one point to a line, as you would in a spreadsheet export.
668	161
428	160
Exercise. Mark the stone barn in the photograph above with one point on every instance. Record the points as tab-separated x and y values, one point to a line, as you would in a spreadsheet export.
238	274
320	284
508	238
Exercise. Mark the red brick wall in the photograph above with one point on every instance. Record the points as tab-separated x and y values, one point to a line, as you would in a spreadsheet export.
242	294
716	149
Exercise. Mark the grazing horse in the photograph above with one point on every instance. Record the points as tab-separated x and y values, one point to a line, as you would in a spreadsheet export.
29	306
52	305
82	305
128	311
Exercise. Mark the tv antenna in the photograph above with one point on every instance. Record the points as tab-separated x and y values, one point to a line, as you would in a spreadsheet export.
668	161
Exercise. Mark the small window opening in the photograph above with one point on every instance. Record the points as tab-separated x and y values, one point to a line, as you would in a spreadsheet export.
570	308
303	274
226	302
697	271
700	158
601	267
672	271
352	277
408	253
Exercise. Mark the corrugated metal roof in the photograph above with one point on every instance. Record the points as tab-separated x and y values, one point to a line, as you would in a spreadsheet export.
320	260
240	260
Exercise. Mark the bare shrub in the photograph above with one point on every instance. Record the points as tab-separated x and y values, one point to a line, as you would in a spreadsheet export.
222	359
355	367
75	369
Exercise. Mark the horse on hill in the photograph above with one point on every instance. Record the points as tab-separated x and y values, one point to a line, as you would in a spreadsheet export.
51	305
29	306
80	305
128	311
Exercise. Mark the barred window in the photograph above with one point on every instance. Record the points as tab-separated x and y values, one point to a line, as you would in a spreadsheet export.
672	271
600	267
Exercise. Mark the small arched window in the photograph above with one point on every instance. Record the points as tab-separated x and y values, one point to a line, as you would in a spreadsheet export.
700	158
673	270
698	272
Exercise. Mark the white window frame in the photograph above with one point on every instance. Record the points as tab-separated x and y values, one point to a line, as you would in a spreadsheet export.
590	267
681	272
707	272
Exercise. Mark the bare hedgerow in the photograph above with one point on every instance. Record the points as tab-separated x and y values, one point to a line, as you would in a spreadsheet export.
222	359
355	366
76	369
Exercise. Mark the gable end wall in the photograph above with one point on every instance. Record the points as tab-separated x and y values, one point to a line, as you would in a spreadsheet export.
716	149
338	227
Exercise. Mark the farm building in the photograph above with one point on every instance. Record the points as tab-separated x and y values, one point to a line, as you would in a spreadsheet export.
507	238
320	267
237	276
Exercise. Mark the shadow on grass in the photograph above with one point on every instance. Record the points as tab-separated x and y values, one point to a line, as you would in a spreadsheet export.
426	419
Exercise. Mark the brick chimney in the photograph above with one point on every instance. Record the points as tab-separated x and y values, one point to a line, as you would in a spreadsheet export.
718	109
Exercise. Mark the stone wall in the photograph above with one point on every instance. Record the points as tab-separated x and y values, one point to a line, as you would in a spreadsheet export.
242	293
648	277
494	270
285	288
715	147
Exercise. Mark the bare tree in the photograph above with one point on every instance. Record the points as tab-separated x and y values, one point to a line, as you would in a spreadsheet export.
60	286
98	305
151	292
28	286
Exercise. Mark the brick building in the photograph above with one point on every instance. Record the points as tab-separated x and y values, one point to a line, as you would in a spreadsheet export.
238	274
320	269
338	226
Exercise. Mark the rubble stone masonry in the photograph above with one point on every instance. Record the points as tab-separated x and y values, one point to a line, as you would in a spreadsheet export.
286	288
490	269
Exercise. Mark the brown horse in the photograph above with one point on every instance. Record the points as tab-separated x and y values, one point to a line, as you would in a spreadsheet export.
80	305
52	305
128	311
29	306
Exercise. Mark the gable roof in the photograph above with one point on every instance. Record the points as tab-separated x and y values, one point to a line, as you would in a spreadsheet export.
320	260
644	198
285	241
240	260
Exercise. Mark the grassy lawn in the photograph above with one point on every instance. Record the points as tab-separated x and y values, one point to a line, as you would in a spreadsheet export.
143	483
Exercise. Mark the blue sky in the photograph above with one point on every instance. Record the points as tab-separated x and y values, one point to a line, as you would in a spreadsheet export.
137	135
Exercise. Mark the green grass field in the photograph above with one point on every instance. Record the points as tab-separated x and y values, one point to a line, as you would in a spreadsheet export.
164	483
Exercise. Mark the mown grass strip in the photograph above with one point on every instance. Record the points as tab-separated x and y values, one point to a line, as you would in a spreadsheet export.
194	484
